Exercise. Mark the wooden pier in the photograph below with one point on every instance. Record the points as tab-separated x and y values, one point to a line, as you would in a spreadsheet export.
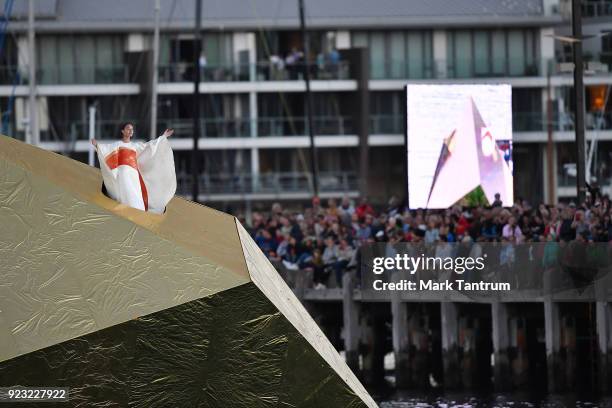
510	340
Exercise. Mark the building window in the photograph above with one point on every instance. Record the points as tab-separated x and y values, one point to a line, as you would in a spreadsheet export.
516	53
482	53
67	59
498	52
386	112
397	54
606	50
474	53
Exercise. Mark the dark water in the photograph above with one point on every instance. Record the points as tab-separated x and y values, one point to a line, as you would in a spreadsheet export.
514	400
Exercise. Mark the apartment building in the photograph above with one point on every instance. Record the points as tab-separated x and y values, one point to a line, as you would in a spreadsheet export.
94	59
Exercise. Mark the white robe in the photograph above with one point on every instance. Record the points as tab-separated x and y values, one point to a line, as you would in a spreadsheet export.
138	174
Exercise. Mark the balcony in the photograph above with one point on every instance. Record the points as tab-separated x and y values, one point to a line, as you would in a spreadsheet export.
400	69
386	124
67	75
79	130
10	75
210	128
564	121
596	8
393	69
261	71
268	71
83	74
493	67
264	127
324	126
456	68
466	68
270	184
521	122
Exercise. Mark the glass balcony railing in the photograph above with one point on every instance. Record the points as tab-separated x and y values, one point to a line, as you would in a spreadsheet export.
10	75
394	69
263	127
565	179
492	67
386	124
383	69
324	126
184	72
521	122
458	68
210	128
83	74
270	71
600	63
537	121
268	183
261	71
72	131
66	75
402	69
596	8
465	68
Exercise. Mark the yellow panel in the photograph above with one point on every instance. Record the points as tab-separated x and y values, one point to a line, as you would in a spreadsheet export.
215	232
267	279
69	267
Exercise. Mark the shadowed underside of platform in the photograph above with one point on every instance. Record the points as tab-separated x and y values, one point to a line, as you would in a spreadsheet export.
211	352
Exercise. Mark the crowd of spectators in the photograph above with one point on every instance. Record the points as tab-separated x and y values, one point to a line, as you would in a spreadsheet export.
326	65
326	239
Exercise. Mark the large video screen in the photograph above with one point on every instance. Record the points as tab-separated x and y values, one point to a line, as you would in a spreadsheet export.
459	145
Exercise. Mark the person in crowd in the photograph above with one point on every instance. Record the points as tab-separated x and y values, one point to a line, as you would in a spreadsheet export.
512	232
346	207
265	242
330	253
364	208
497	202
567	226
344	254
432	234
334	62
489	227
320	63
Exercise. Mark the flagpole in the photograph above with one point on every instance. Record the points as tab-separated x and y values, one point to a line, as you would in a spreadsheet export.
32	136
155	76
195	165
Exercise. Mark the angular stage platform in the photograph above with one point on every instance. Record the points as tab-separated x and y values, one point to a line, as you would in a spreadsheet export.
129	308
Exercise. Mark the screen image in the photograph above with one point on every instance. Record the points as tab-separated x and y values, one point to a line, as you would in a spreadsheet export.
459	145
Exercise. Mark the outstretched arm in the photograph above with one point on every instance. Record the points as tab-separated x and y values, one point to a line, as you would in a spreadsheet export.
94	142
151	145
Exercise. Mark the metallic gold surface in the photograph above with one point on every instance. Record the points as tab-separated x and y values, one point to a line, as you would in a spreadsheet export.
265	277
135	309
200	229
70	267
211	352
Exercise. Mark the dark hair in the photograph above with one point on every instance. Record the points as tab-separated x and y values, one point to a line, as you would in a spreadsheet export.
123	125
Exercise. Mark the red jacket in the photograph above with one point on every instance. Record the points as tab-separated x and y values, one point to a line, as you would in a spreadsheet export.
364	209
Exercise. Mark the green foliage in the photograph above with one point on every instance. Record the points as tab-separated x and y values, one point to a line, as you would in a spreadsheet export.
476	198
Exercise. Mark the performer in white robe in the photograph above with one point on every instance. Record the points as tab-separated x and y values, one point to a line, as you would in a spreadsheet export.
138	174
